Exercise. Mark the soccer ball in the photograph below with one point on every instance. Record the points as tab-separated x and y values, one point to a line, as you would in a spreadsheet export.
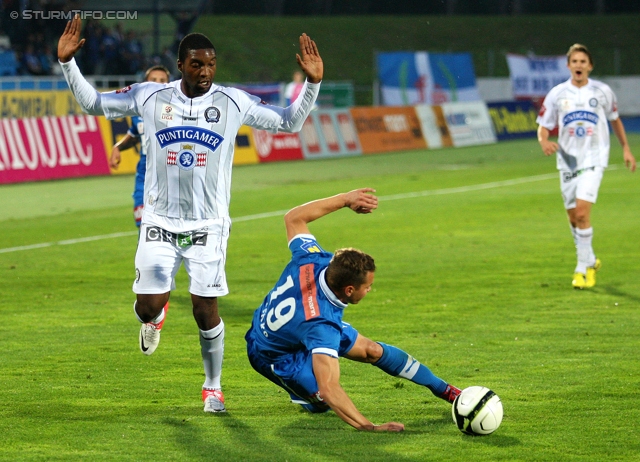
477	411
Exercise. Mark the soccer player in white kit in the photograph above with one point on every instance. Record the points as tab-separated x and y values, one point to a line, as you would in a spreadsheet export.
191	126
581	108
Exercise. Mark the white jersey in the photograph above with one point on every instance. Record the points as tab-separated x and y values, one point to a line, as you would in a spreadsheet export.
581	115
190	141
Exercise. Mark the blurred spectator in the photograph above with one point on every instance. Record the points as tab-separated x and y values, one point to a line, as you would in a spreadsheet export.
293	88
107	51
30	61
133	58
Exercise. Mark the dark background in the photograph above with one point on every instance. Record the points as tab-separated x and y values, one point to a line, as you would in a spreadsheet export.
424	7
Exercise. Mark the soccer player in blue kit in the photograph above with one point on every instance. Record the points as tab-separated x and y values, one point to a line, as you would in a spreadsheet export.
158	74
297	333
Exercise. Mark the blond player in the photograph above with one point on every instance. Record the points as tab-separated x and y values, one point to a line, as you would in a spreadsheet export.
581	108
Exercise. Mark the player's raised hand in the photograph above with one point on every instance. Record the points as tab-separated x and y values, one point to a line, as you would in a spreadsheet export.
70	42
309	59
362	200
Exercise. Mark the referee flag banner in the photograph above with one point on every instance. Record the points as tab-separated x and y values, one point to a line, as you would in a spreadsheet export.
409	78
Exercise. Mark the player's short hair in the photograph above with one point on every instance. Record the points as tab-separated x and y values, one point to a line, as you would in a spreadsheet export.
157	68
349	267
579	47
194	41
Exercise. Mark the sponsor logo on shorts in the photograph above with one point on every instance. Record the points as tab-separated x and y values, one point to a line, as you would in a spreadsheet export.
137	275
157	234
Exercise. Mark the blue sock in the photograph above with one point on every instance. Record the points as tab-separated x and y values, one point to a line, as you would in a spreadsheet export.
397	363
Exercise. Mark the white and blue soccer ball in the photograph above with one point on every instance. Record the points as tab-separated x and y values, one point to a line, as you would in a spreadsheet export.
477	411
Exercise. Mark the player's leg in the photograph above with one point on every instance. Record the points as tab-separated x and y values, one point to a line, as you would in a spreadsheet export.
293	373
204	261
587	186
397	363
156	263
205	312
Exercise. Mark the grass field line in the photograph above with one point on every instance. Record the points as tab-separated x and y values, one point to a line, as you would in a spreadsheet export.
258	216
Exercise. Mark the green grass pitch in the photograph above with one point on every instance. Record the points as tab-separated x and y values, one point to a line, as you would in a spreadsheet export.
474	261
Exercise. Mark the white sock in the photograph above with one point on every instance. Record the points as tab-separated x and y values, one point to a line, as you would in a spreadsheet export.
212	348
574	234
586	257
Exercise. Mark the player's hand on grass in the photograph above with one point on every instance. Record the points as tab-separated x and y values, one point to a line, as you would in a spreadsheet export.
114	160
70	42
389	427
549	147
362	200
309	59
629	160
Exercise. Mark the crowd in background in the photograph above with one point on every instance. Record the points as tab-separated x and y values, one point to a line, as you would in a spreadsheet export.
107	51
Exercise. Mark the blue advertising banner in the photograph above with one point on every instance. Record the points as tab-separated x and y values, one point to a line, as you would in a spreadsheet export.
513	119
410	78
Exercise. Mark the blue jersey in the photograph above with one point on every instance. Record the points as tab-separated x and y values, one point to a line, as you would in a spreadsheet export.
301	312
137	130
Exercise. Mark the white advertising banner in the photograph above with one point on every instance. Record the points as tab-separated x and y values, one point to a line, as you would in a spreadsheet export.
533	76
469	123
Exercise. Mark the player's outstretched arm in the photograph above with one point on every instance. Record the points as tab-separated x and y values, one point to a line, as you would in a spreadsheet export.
359	200
70	42
548	147
309	59
125	143
618	129
327	372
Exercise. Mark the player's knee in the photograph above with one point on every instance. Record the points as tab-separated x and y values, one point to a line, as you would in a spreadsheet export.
374	352
147	308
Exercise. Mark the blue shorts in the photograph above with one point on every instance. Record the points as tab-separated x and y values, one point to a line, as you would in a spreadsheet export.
294	372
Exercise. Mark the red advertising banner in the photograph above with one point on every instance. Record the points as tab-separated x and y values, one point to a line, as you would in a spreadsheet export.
50	148
274	147
329	133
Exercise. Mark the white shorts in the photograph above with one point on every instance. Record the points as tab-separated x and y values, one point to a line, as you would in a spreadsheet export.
204	252
583	185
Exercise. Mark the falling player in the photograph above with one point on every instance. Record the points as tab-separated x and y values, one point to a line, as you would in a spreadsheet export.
297	334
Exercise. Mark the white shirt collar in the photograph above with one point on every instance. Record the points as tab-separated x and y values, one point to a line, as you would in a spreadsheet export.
328	292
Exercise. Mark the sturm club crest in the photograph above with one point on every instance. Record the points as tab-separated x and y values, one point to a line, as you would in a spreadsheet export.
186	158
212	115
